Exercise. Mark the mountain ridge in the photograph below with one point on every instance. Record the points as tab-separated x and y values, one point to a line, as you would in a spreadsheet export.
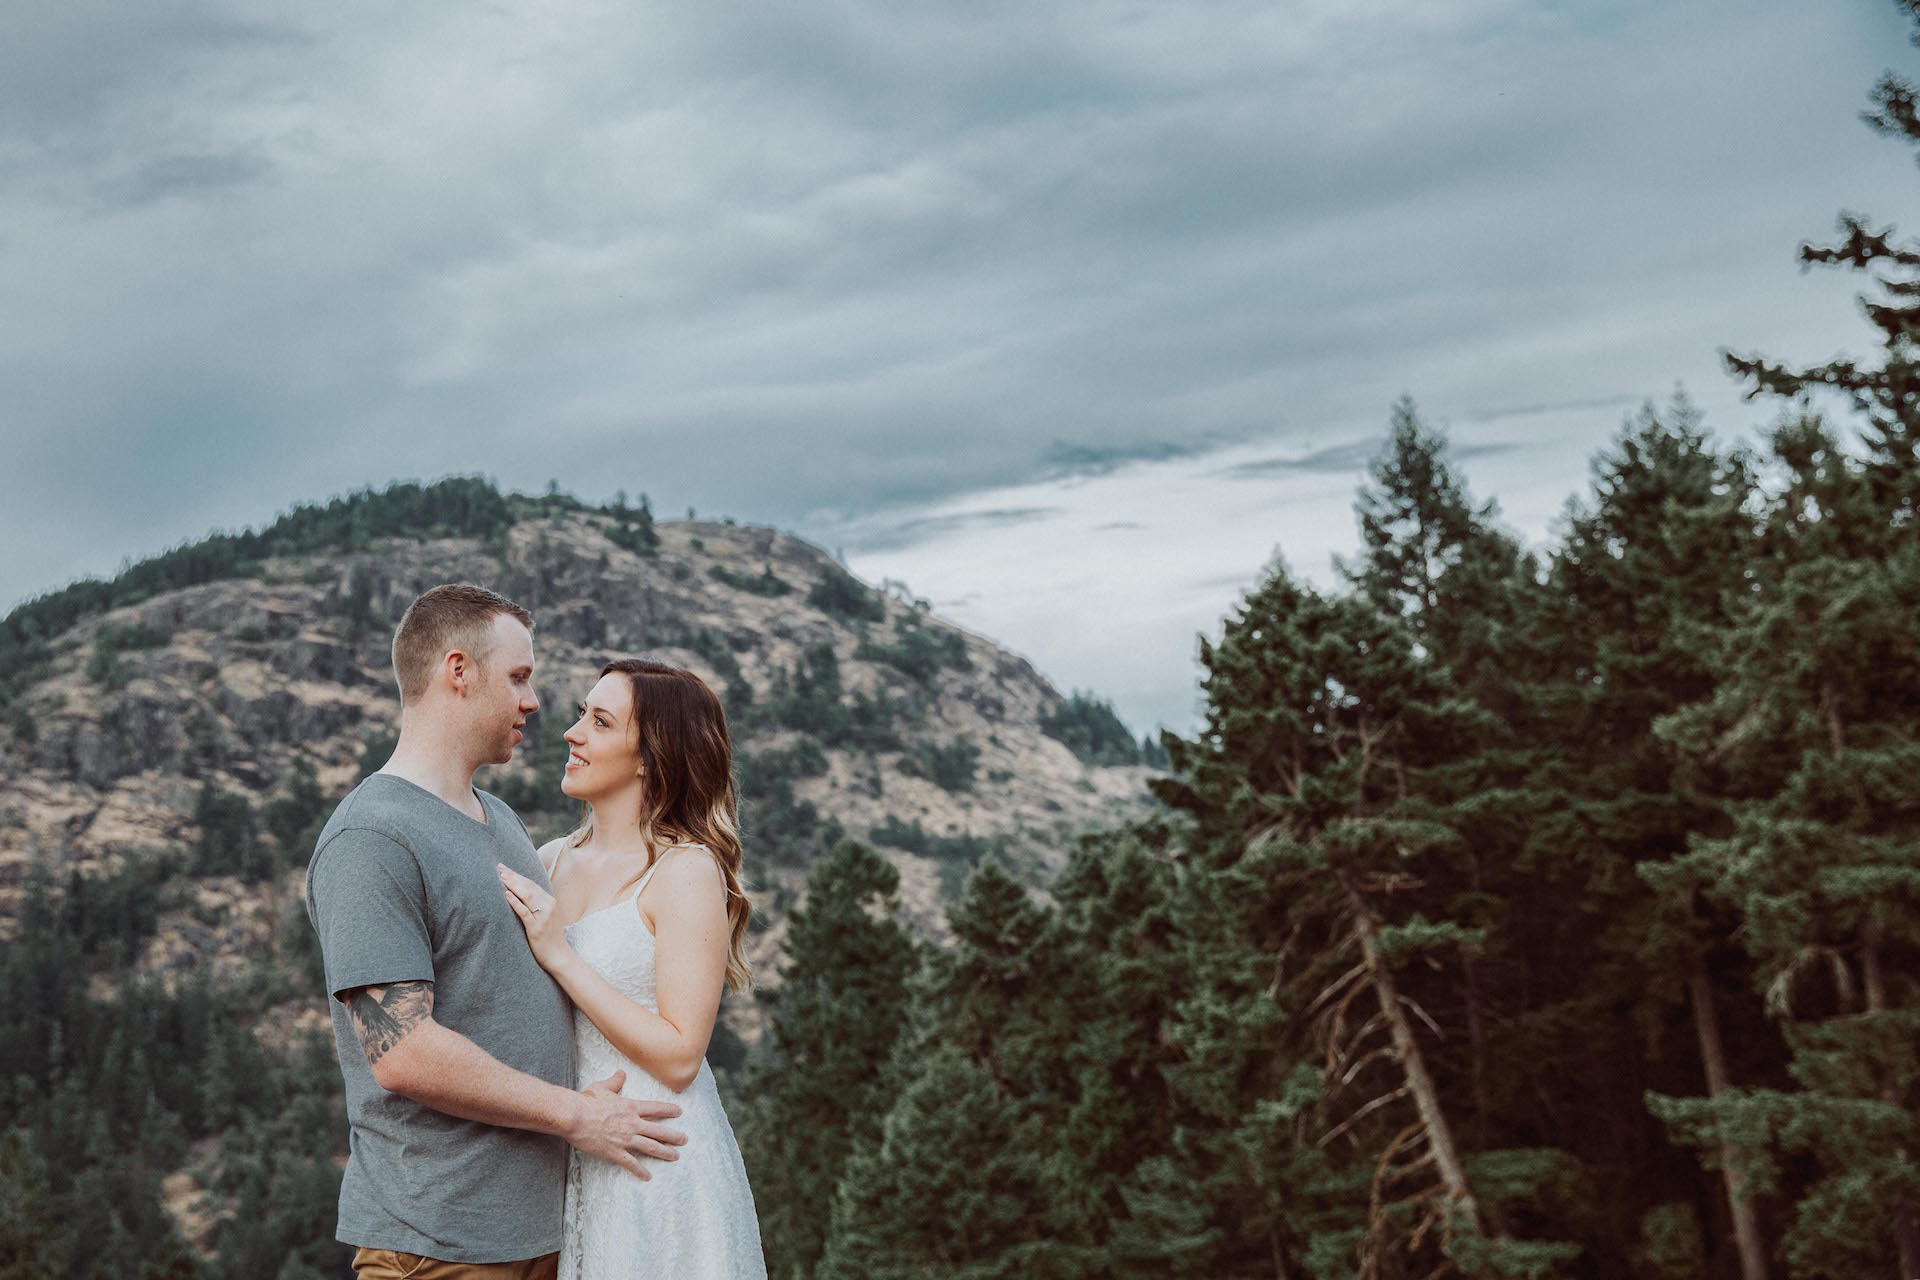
210	704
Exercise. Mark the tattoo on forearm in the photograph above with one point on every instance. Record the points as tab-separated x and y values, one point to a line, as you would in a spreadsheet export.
384	1015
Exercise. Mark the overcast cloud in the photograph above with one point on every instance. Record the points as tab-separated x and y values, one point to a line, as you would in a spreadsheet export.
1058	284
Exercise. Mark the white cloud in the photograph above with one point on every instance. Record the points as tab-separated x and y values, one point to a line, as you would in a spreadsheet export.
804	264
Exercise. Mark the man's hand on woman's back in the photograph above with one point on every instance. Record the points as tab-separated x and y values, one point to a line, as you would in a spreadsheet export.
623	1130
412	1055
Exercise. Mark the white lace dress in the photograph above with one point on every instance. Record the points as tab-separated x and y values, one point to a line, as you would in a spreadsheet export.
695	1219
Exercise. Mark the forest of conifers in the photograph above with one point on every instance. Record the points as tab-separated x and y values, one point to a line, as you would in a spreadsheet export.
1512	913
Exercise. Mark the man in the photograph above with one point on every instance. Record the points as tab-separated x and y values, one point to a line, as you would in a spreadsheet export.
456	1047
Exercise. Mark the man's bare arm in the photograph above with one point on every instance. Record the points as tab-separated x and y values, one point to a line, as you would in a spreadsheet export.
383	1015
412	1055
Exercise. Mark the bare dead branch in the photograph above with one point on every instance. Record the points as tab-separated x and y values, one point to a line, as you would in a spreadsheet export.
1350	976
1379	1102
1422	1013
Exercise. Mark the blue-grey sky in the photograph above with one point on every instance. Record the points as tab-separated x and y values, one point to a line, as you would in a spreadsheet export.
1067	314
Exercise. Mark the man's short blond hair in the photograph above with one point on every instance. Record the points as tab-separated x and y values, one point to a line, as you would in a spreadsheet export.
457	615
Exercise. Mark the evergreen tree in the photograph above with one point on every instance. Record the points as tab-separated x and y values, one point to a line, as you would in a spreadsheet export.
1040	1029
32	1244
832	1021
1468	595
948	1189
1643	583
1813	735
1313	859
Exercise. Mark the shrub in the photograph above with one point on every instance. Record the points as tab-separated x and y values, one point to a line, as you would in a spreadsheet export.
104	668
810	698
1092	730
841	595
765	583
229	843
777	825
950	768
914	838
917	651
632	527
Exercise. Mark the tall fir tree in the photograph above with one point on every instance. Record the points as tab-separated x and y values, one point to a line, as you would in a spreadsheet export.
1320	870
1814	735
1643	584
832	1020
953	1183
1046	1021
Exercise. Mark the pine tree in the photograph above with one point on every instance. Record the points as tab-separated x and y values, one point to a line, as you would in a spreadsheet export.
32	1244
1468	594
1814	734
1031	1084
841	1003
1643	581
1314	857
949	1188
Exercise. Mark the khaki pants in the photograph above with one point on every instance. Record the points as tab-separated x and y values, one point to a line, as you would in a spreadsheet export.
391	1264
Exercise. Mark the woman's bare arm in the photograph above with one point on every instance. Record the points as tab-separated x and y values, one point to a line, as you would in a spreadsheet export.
688	901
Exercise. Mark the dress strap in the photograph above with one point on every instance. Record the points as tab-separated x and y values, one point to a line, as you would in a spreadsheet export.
641	887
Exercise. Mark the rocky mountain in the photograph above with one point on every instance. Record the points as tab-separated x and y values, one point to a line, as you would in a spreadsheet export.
198	716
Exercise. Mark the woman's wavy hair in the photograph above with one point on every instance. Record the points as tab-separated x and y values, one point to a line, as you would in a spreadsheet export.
689	796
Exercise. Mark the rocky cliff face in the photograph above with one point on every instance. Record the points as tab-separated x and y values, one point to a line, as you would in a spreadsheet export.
213	705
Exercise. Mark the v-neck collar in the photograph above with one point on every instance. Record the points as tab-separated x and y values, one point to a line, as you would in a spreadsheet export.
484	820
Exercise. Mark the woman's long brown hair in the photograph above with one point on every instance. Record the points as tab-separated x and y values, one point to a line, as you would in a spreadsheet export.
689	795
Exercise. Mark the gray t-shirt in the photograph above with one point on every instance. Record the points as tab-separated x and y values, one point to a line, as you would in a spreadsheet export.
402	888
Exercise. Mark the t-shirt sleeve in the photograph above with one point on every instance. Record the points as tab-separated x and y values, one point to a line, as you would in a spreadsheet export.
370	908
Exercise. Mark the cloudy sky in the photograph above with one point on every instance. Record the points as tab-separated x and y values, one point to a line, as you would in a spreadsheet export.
1068	315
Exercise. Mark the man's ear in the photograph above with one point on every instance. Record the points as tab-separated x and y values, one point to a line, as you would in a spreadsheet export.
458	667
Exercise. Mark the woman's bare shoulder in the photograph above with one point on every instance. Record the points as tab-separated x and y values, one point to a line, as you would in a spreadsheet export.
688	860
550	853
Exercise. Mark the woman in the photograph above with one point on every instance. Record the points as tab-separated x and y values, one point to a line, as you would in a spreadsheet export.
651	884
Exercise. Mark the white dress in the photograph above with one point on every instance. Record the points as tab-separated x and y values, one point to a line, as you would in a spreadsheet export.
694	1219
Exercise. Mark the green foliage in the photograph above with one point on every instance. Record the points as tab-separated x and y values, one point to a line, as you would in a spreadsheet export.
455	507
716	649
914	838
108	916
840	595
765	583
104	667
294	817
832	1022
105	1093
917	651
355	604
950	767
229	843
949	1190
376	748
32	1244
1670	1246
810	697
777	826
1092	730
632	527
